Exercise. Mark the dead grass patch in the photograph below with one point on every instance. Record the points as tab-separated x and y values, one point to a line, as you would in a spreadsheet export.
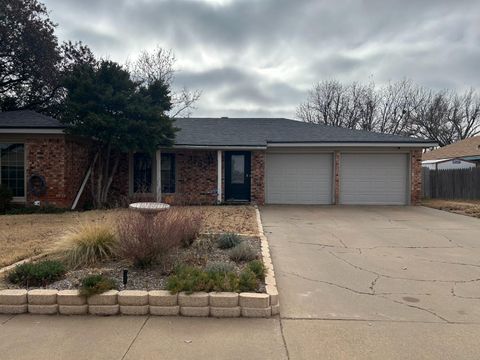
464	207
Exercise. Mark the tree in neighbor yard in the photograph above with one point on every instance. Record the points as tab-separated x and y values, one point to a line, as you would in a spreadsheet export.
158	65
396	108
32	63
105	105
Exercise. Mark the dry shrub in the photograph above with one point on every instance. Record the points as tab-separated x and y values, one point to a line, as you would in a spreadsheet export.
88	244
144	241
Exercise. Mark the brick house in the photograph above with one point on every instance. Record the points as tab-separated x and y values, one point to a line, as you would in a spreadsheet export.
214	160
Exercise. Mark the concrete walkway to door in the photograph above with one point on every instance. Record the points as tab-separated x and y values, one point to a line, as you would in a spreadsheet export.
376	282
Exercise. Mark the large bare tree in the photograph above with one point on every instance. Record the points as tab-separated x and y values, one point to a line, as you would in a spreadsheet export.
400	107
159	65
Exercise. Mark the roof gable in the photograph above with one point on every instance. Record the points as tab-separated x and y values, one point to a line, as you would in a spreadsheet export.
462	148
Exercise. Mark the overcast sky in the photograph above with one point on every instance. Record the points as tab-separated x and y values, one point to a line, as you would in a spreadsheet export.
260	57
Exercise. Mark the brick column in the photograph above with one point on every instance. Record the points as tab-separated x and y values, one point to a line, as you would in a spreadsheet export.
416	176
257	189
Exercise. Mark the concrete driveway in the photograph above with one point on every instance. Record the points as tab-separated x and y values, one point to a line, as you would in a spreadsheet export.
379	265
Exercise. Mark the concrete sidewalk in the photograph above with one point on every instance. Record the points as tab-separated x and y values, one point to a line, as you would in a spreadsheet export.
138	337
121	337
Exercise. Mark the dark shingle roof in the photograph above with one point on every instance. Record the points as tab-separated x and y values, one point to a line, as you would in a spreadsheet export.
260	131
232	131
27	119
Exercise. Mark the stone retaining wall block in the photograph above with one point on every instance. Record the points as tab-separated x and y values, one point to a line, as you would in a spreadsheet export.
13	297
70	297
73	309
105	310
162	298
222	312
42	297
254	300
133	298
276	309
195	310
134	309
13	309
255	312
197	299
106	298
223	299
164	310
43	309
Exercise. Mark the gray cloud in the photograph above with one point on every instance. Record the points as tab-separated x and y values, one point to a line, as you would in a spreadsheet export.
259	58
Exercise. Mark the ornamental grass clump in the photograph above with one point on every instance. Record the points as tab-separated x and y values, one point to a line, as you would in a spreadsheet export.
88	245
96	284
242	252
145	241
228	240
219	267
40	273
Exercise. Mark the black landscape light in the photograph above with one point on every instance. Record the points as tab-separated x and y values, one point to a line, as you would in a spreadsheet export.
125	278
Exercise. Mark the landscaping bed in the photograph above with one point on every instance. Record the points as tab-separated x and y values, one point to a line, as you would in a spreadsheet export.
463	207
202	253
127	250
172	269
22	236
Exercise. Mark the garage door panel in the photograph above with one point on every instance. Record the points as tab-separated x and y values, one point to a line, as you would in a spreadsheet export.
299	179
373	179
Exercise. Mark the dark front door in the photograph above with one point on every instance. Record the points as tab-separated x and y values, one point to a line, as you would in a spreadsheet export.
237	176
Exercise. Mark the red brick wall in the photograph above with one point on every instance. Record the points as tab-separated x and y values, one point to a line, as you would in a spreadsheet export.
196	178
416	176
62	162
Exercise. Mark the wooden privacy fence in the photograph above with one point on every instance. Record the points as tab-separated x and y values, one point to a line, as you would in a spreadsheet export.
451	184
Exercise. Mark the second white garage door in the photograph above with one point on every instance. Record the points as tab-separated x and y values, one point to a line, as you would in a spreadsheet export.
377	179
299	179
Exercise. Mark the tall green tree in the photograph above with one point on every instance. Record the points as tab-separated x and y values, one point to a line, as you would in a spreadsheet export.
32	62
118	114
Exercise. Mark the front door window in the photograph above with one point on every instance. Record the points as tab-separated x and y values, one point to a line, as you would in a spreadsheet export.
238	169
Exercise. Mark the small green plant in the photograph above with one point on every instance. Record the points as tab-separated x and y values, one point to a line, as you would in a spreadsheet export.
228	240
188	279
96	284
257	267
37	274
219	267
6	196
242	252
88	245
247	281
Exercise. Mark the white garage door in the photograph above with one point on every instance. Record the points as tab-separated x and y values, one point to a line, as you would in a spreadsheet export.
299	179
373	179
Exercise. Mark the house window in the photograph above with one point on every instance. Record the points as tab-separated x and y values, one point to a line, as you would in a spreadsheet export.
142	173
168	173
12	168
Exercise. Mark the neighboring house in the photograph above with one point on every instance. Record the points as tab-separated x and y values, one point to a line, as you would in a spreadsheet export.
272	161
448	164
467	150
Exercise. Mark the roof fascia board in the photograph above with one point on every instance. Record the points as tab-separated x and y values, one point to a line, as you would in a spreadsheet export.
220	147
353	144
30	131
